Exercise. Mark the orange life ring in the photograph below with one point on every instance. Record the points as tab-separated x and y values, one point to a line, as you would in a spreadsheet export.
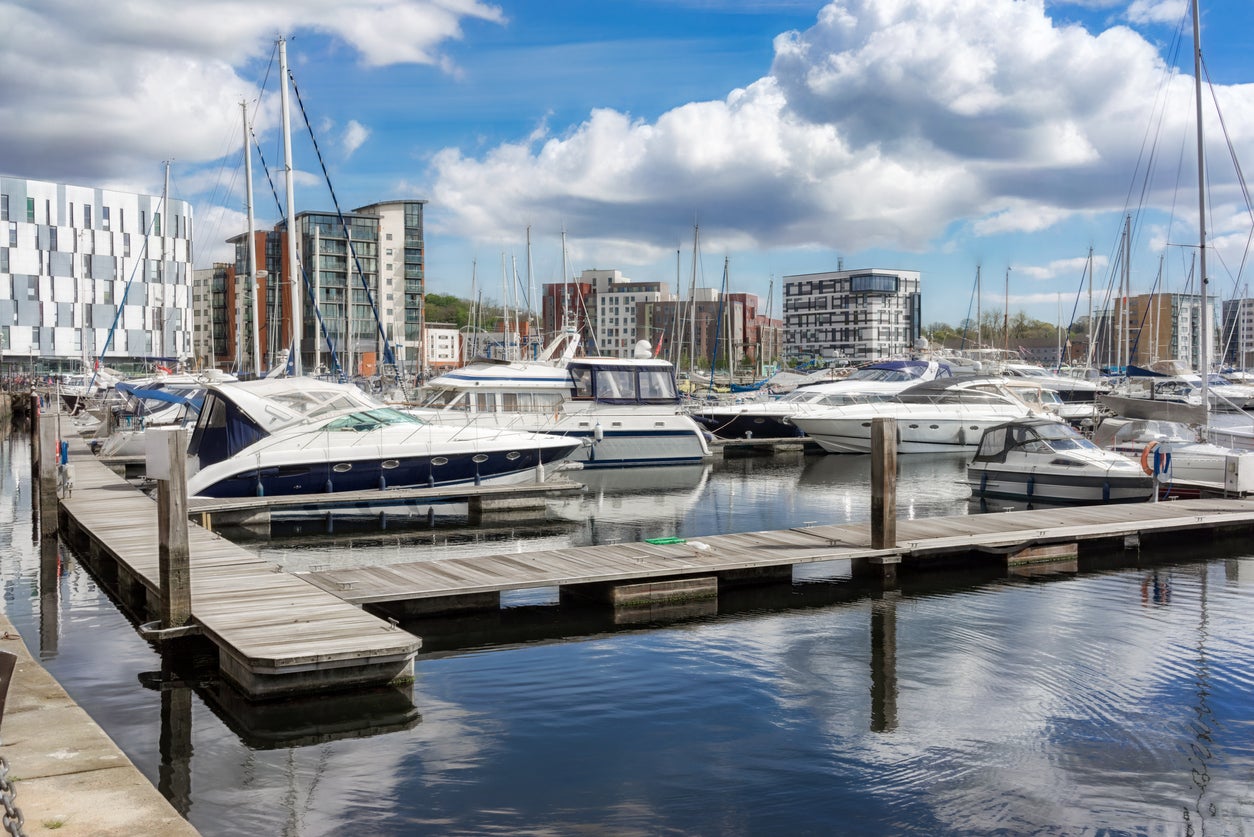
1147	464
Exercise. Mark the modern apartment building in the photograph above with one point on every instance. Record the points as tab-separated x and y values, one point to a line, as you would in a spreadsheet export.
92	274
1151	327
852	314
1238	332
366	271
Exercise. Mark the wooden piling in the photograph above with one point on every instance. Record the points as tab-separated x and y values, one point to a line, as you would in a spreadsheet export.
173	554
883	483
47	433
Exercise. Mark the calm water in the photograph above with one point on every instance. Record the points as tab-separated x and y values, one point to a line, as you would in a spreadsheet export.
1105	702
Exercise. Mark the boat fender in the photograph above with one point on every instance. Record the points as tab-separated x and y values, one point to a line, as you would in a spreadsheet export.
597	433
983	482
1146	465
1031	485
330	488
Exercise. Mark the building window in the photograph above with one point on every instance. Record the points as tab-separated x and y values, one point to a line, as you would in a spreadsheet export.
52	239
126	245
4	207
87	215
30	210
12	233
156	223
104	217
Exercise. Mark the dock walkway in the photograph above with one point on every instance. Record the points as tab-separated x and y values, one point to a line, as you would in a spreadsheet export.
468	583
276	633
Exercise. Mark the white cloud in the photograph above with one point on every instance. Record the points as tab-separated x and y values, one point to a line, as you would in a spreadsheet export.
883	125
143	81
1061	268
355	135
1158	11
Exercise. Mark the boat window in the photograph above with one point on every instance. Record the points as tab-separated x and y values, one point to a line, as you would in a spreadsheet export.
365	421
615	385
582	376
484	402
657	385
442	399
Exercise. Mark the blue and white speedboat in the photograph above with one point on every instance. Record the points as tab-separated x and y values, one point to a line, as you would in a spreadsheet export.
279	436
626	411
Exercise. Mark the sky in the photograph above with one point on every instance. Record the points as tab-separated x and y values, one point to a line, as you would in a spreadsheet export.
1008	137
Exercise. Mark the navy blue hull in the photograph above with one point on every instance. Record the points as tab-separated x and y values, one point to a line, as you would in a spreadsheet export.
362	475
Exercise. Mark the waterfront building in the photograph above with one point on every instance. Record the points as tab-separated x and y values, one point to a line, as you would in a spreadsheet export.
1238	332
92	274
854	314
367	272
618	301
1151	327
703	333
443	347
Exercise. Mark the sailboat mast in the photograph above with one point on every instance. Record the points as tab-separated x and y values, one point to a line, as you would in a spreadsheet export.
978	313
252	245
1005	322
1204	332
290	196
692	304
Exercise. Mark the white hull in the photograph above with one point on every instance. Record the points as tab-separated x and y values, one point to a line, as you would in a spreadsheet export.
925	430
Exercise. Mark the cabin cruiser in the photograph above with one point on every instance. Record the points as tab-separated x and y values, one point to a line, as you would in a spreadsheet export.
1040	460
307	436
626	411
947	414
769	419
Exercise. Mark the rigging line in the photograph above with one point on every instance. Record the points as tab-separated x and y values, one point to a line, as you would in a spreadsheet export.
388	357
335	360
1236	165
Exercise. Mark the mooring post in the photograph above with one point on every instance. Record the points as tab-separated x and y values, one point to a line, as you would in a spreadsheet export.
883	483
47	476
167	463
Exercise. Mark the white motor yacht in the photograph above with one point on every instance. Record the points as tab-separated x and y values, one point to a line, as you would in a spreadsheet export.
948	414
625	411
769	419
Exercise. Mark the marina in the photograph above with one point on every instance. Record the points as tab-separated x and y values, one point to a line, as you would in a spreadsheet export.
798	683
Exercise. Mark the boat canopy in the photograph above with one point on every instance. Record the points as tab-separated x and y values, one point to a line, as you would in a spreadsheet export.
1030	435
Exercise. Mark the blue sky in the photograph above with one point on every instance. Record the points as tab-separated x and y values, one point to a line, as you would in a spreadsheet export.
911	134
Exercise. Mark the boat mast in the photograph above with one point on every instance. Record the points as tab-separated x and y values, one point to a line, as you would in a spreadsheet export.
252	245
692	304
293	261
979	326
1204	334
1005	323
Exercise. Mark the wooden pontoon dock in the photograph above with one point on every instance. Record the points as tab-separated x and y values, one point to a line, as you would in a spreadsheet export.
280	633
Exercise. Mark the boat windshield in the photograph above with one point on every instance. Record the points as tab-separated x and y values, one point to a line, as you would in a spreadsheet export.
367	420
1042	437
1061	437
890	375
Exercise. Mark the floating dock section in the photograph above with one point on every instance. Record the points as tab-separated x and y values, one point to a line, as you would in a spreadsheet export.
276	633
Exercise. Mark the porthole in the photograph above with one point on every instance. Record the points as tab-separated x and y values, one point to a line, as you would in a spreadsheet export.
866	424
342	467
389	464
934	426
512	455
439	460
916	427
479	457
